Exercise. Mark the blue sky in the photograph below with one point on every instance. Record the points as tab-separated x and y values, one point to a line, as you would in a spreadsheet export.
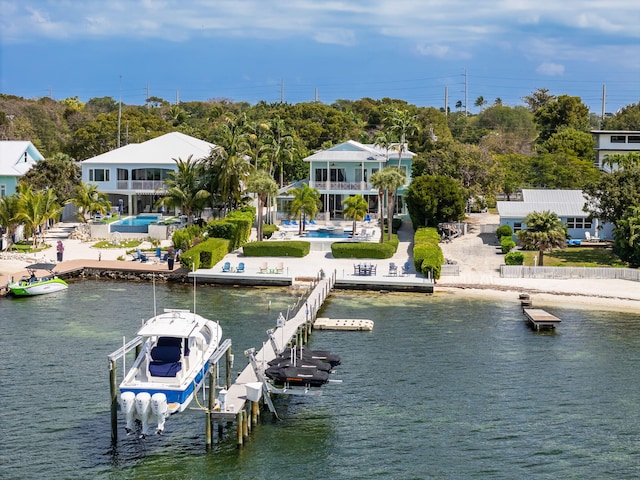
244	50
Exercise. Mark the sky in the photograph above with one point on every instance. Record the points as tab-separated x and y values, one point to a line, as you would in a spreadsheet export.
427	52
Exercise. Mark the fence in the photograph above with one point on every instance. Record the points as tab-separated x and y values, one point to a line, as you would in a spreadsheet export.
450	270
520	271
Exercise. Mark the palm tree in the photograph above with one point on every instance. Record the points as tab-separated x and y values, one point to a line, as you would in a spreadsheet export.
185	188
282	148
9	209
265	187
35	209
544	231
388	179
383	139
356	207
404	124
88	199
305	203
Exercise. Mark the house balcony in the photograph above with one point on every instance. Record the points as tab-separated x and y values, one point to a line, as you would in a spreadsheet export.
150	185
343	186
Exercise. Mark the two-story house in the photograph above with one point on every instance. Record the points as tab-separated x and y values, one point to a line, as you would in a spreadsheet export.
612	142
133	176
16	158
346	169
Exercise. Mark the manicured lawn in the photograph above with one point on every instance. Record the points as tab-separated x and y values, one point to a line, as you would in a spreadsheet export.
122	244
576	257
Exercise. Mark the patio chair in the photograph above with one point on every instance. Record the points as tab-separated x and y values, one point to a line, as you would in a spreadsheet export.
226	267
263	267
393	270
286	223
294	223
367	219
240	268
312	222
140	256
405	268
280	267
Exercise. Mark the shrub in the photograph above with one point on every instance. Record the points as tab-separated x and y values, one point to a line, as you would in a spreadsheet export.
504	231
289	248
364	249
185	238
268	230
427	254
206	254
507	244
514	258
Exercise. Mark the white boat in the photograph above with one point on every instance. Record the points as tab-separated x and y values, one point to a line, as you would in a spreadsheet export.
33	285
177	346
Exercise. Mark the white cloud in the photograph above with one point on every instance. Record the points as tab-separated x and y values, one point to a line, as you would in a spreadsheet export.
336	36
550	69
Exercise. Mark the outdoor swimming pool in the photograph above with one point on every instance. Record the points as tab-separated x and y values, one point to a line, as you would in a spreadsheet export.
138	224
328	234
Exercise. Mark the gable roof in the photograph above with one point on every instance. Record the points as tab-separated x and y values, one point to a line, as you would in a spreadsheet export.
12	157
352	151
564	203
160	150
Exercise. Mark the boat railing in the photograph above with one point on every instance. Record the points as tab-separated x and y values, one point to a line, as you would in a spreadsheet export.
126	348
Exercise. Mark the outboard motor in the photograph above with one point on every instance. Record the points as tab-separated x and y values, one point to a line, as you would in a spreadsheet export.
128	407
143	408
159	410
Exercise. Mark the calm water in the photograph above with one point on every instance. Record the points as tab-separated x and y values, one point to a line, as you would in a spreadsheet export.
139	221
442	388
327	234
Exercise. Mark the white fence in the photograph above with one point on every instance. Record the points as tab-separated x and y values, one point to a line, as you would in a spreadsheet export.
520	271
450	270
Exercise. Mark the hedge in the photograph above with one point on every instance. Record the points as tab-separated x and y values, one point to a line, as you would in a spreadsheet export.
365	249
514	258
206	254
504	231
287	248
507	244
427	254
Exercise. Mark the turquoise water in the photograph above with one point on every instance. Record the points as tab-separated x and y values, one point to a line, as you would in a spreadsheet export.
327	234
140	220
444	387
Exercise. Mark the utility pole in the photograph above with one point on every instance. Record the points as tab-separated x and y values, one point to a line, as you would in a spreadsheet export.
177	99
604	103
316	97
281	91
119	112
466	93
446	101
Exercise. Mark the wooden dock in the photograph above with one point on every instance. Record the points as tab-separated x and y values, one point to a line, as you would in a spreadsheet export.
541	319
343	324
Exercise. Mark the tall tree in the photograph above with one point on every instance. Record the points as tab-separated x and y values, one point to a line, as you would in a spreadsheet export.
35	209
59	172
627	237
564	111
185	188
265	187
403	123
9	210
355	207
305	203
544	231
389	179
434	199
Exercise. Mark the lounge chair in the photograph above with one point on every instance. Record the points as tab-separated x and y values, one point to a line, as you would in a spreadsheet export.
280	267
367	219
140	256
286	223
294	223
312	222
226	267
263	267
240	268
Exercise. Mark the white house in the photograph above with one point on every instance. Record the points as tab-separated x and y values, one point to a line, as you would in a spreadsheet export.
567	204
16	158
133	176
611	142
346	169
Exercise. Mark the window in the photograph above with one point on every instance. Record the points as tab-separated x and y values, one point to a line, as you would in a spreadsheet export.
517	226
578	222
338	175
3	191
321	174
618	139
123	174
99	175
634	138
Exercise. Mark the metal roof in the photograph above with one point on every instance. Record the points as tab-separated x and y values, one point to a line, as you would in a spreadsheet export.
564	203
352	151
12	162
160	150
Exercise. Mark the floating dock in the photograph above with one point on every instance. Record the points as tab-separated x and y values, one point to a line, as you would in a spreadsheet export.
541	319
343	324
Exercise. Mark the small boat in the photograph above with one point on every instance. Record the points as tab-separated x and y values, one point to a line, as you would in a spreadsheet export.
297	376
311	355
177	346
33	285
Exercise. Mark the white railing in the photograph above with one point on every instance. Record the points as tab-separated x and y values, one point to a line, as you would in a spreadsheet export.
520	271
147	185
355	186
122	184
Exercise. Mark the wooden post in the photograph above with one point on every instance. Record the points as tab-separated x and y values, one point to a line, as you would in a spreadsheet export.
245	424
228	369
239	438
255	412
114	400
212	395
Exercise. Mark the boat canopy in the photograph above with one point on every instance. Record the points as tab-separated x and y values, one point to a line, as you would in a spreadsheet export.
41	266
175	323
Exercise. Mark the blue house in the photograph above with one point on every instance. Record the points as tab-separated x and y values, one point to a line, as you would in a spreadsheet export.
16	158
345	170
567	204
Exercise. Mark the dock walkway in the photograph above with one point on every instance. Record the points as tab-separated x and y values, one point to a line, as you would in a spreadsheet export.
541	319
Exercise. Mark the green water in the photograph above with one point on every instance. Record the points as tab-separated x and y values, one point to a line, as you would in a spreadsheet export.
444	387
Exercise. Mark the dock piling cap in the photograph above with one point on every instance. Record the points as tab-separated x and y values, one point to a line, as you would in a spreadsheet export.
254	391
